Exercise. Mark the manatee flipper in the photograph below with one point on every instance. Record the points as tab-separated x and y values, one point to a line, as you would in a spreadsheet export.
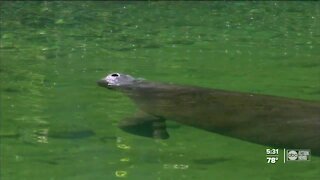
145	125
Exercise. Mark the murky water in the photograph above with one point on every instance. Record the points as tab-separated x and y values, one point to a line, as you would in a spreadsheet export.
56	123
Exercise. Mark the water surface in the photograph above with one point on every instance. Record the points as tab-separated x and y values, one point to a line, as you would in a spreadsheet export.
56	123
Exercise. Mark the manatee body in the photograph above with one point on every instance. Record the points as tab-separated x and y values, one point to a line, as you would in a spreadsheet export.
262	119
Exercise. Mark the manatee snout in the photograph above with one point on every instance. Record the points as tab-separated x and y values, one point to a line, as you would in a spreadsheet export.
102	82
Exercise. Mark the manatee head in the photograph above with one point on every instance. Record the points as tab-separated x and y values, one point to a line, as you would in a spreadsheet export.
115	80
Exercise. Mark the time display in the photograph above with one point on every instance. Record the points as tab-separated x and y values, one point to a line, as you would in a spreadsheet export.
272	151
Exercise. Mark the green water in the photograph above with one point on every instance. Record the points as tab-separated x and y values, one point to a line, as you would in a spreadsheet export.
56	123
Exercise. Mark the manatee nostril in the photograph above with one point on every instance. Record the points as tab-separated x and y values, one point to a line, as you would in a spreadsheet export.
115	75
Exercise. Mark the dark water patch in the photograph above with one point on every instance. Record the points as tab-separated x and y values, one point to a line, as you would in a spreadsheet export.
210	161
39	39
36	21
108	138
133	40
112	30
181	42
72	134
12	90
307	64
151	45
55	53
122	48
84	16
48	162
66	134
316	92
9	47
173	125
82	36
12	135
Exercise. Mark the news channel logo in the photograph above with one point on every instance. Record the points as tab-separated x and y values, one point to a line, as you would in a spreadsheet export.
298	155
289	155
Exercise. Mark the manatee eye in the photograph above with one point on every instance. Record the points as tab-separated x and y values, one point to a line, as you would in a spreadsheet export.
115	74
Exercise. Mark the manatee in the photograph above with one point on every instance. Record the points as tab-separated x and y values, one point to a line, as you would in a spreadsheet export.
262	119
